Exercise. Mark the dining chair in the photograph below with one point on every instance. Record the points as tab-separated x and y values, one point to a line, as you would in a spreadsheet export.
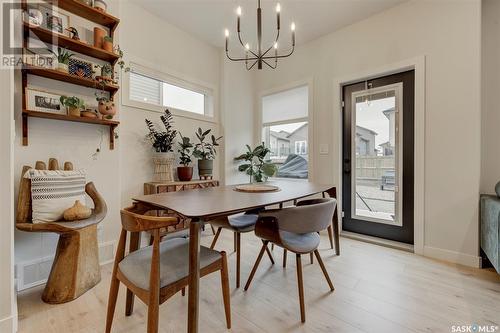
157	272
238	224
296	229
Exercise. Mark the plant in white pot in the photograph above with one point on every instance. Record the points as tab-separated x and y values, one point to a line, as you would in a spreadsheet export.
205	153
63	57
163	142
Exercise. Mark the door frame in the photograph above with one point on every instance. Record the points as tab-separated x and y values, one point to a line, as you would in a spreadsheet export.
418	65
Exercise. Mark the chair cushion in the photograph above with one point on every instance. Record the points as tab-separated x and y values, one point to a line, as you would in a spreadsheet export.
300	243
243	222
174	262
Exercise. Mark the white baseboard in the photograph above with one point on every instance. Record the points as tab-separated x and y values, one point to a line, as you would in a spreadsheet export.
452	256
8	325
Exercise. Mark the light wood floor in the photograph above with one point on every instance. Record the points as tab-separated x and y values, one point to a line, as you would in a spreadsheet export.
377	290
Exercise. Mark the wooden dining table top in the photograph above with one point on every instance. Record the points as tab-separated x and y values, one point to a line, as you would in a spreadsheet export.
223	200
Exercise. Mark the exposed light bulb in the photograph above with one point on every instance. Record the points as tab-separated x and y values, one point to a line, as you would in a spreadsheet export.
226	32
293	26
276	45
238	11
247	46
278	8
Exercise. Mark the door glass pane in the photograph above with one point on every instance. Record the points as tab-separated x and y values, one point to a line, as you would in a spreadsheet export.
375	148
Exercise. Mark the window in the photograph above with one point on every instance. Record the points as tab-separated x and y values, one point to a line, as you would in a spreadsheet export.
156	92
285	131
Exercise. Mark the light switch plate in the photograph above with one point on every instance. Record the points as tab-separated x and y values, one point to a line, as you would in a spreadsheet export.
323	148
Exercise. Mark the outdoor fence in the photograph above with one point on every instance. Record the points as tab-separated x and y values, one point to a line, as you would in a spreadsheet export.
373	167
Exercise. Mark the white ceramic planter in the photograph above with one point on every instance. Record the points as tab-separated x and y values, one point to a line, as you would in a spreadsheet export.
62	67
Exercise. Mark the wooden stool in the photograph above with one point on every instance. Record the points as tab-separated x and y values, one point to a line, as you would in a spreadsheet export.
76	264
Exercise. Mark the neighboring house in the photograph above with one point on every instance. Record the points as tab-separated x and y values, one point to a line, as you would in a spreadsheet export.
365	142
298	141
279	144
388	147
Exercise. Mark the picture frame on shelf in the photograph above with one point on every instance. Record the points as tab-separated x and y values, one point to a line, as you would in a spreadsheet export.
43	101
42	60
80	68
54	20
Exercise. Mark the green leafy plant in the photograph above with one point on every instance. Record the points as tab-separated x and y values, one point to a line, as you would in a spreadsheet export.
72	102
256	167
107	70
108	39
185	150
205	150
162	141
120	61
63	55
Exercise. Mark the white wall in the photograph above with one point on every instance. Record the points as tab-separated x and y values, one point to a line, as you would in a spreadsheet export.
447	33
490	149
238	88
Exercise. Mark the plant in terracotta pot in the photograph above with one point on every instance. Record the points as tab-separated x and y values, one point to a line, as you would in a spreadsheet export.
73	105
205	152
107	43
63	57
185	172
257	167
162	142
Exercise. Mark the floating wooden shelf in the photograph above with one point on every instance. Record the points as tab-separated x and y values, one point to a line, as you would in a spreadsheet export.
111	123
90	13
55	38
65	77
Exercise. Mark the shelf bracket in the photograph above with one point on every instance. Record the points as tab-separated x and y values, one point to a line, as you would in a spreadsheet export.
25	130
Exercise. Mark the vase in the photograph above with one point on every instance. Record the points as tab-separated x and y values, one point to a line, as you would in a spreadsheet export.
107	109
163	167
205	169
62	67
74	112
100	5
98	37
185	173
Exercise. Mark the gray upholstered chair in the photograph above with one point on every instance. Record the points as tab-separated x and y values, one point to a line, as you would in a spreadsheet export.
296	229
490	227
157	272
238	224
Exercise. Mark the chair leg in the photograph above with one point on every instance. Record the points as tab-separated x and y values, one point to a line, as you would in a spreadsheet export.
330	235
238	258
183	291
234	241
113	295
323	268
217	234
135	241
213	230
272	247
225	290
256	265
269	254
300	283
284	258
312	258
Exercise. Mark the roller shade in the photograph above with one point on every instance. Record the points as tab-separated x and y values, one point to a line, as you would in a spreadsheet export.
286	105
145	89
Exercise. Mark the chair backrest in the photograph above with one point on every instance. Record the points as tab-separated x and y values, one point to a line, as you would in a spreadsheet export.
134	219
308	216
24	209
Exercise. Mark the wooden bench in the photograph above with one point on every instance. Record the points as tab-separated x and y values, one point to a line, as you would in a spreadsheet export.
76	264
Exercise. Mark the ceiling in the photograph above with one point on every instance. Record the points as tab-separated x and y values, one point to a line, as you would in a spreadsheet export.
207	19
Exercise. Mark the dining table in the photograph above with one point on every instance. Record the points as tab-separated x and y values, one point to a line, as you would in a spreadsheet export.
201	205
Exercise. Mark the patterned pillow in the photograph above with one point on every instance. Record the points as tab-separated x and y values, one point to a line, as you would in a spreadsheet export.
52	192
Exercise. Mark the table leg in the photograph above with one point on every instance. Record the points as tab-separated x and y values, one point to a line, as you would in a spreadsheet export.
194	274
335	222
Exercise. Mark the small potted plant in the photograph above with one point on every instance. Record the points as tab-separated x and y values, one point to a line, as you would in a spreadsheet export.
73	105
205	153
185	172
107	43
256	167
107	72
63	57
106	107
162	143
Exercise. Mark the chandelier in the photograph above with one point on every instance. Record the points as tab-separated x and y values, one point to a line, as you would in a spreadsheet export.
260	56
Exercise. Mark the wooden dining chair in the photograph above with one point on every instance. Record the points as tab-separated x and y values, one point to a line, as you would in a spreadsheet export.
296	229
157	272
238	224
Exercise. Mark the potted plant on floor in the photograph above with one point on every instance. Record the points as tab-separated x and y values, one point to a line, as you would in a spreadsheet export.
205	153
185	172
256	167
162	142
73	105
